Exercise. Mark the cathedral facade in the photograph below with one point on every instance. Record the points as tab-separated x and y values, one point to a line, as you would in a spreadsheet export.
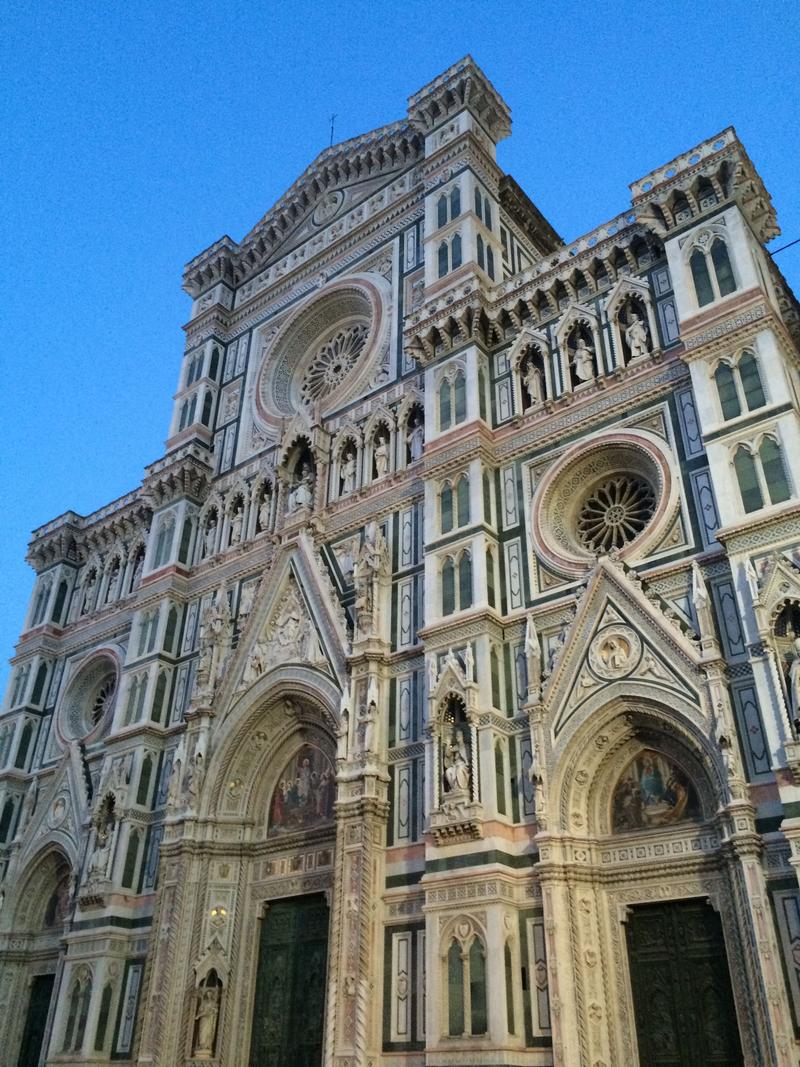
435	697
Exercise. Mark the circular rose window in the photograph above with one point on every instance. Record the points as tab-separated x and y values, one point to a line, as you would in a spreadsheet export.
613	492
89	699
329	351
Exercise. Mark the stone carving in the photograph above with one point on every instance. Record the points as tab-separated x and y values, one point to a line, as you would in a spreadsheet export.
583	361
636	336
264	510
533	658
615	652
206	1015
794	680
368	721
381	455
343	732
534	383
456	763
371	564
348	472
237	521
702	605
210	538
752	581
416	438
302	494
288	636
88	594
216	632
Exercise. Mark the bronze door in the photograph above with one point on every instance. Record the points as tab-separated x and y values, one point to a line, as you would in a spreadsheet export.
288	1013
36	1020
682	997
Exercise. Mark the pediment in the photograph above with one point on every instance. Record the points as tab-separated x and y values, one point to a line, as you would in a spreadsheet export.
626	286
779	583
296	617
620	635
60	810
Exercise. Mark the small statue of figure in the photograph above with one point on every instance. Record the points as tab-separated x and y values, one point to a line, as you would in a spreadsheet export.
794	680
469	663
210	538
174	788
343	733
349	473
533	656
302	496
456	764
263	511
216	631
255	665
113	585
237	521
752	581
206	1021
137	573
381	456
636	336
195	777
98	864
534	383
416	439
88	595
366	571
702	606
583	361
368	719
433	673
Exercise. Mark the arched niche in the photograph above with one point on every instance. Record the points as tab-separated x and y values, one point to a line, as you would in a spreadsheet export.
42	894
653	791
303	796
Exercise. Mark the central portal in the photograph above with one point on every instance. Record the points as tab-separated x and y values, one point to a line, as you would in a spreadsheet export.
685	1015
288	1013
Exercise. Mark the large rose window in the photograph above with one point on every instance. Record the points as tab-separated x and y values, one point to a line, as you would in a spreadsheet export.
615	513
333	362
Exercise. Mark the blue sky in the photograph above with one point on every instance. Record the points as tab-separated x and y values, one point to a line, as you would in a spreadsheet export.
133	136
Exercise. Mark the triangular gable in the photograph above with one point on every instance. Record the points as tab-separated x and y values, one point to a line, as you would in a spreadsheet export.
779	583
295	617
619	634
61	809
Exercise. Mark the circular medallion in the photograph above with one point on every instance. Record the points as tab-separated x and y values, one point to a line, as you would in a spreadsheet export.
327	207
615	652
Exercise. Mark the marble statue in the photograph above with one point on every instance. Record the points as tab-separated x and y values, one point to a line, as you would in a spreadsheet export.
636	336
210	538
237	521
302	495
263	511
381	456
583	361
702	606
534	383
533	656
456	764
349	473
206	1021
416	439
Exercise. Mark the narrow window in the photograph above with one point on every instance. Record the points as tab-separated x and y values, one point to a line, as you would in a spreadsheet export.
722	267
442	259
172	626
482	394
774	471
448	587
38	685
5	820
478	203
481	257
460	398
446	505
212	373
487	498
24	744
184	415
455	252
141	696
455	990
465	582
462	496
726	388
500	778
444	405
129	870
441	211
509	989
490	262
160	694
487	213
746	475
207	404
74	1006
192	409
61	597
186	538
494	669
490	589
102	1019
455	202
477	987
702	280
751	382
143	792
86	996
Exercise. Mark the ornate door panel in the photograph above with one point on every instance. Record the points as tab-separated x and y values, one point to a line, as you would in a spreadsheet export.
289	1006
36	1020
685	1015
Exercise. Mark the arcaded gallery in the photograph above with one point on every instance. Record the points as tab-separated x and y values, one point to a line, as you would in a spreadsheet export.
434	699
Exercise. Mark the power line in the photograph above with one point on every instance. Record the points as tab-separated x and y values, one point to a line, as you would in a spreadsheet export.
784	247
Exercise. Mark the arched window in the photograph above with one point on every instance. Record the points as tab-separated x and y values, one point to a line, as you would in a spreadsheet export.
509	969
446	507
487	213
490	262
462	498
750	378
443	259
726	388
192	409
747	477
444	405
460	392
491	594
482	393
131	856
5	820
103	1017
465	582
701	278
61	598
448	587
481	255
774	470
184	415
208	401
441	211
163	543
455	990
494	670
21	761
455	202
212	372
477	987
478	203
42	597
455	252
487	498
143	792
500	778
722	267
171	630
80	996
38	685
186	541
160	695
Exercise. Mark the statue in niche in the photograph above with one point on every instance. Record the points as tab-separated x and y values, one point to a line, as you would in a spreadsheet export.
206	1014
348	472
256	664
702	605
583	361
366	572
264	509
381	456
216	630
469	663
416	438
533	656
456	763
368	719
137	572
174	788
794	681
533	380
636	336
343	733
88	594
104	822
113	584
302	495
237	521
210	537
194	778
